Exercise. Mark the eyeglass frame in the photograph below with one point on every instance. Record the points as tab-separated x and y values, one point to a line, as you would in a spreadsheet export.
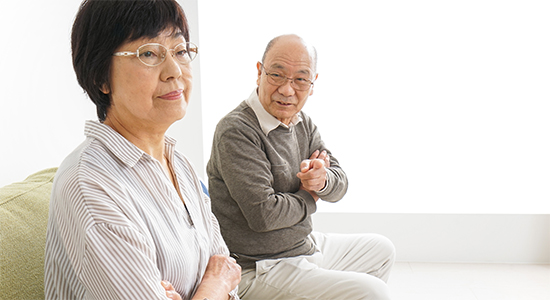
292	84
136	53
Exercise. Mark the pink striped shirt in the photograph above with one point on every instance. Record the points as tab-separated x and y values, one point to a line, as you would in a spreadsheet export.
117	225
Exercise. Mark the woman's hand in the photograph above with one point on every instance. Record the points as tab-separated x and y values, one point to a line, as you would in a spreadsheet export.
170	291
222	275
223	268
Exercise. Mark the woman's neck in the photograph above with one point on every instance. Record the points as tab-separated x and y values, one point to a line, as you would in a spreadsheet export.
145	138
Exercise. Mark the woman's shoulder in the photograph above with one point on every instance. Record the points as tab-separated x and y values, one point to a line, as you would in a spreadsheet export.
90	162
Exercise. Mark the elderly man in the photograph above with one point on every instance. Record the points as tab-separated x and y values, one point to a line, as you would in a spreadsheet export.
268	169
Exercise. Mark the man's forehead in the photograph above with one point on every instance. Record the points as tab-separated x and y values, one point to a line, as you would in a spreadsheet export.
290	53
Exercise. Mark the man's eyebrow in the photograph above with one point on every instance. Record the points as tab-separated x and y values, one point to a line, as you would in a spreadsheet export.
277	66
281	67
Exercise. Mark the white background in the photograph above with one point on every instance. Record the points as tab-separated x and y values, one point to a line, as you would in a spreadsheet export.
430	106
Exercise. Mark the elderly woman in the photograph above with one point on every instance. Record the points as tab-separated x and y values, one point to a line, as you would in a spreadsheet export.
128	218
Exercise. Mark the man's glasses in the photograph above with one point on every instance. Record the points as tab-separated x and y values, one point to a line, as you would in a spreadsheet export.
298	83
154	54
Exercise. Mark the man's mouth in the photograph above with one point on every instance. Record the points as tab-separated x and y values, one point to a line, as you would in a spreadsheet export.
284	103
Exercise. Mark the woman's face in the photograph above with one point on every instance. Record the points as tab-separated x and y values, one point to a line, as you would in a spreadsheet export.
144	97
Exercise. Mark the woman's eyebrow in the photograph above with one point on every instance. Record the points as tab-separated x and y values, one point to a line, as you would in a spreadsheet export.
177	34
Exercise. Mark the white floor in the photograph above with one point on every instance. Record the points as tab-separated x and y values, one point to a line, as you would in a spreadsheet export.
435	281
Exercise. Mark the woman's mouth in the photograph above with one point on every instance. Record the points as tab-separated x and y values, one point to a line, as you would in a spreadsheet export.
174	95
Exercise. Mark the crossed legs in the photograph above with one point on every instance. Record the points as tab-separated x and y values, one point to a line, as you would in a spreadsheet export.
347	266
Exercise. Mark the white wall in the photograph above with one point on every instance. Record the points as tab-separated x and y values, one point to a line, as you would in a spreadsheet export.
430	106
457	238
43	108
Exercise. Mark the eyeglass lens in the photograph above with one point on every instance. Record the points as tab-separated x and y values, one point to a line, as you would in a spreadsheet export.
298	83
154	54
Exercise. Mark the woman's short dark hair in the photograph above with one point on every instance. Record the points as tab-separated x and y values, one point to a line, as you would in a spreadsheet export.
100	27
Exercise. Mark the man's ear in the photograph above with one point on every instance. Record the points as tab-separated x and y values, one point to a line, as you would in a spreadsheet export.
311	91
259	67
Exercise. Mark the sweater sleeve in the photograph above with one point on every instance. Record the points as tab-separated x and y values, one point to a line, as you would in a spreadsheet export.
337	180
242	164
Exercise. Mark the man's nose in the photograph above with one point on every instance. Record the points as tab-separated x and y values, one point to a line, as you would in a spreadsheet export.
286	89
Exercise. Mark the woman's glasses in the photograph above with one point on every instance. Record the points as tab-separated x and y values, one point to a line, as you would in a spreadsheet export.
154	54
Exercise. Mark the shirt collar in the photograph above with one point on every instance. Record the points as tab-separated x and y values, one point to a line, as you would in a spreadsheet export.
267	121
127	152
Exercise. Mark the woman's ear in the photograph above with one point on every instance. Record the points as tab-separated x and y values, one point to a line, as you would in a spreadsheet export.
105	89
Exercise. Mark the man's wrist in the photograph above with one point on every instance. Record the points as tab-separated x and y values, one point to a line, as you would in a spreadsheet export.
326	185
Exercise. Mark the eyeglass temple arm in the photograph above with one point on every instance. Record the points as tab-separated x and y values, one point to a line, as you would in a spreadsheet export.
125	53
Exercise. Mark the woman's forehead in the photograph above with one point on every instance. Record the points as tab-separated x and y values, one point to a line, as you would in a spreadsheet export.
165	37
168	34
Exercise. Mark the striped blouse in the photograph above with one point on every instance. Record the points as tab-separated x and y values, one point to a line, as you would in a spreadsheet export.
117	225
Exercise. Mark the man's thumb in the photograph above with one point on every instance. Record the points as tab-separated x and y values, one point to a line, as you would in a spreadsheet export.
318	163
305	165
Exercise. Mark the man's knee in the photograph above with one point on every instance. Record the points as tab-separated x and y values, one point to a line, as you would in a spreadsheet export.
378	291
366	288
378	246
386	247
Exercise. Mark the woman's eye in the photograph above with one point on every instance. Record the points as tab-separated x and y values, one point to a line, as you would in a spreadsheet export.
148	54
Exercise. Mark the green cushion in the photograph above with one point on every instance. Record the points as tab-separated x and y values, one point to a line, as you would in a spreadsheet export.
23	221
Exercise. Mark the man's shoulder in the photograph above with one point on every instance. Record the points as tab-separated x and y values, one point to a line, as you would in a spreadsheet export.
307	123
242	116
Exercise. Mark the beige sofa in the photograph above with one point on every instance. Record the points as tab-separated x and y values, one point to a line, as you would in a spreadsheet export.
23	220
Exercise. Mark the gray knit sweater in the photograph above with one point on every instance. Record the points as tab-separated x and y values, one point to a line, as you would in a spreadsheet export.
254	189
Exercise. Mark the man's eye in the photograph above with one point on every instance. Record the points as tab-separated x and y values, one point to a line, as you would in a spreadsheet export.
275	75
301	80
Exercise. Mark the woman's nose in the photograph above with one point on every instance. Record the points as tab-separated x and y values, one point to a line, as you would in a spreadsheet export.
172	68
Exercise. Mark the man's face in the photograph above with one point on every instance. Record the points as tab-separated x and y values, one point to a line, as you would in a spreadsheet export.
288	57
